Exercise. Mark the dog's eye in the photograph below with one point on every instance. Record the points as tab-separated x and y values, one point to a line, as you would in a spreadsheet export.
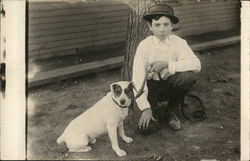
129	92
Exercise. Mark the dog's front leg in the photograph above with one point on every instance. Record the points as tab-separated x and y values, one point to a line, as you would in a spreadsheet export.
112	132
122	134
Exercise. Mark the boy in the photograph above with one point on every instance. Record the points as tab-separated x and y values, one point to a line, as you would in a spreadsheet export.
170	64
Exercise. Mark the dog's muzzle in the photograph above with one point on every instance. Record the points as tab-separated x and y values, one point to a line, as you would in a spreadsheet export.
119	104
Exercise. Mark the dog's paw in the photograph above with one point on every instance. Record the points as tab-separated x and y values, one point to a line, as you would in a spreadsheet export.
82	149
121	153
92	140
128	139
87	148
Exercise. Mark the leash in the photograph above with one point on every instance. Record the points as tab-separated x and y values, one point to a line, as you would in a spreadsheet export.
141	90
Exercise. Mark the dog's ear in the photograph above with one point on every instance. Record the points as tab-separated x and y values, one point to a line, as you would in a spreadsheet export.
115	87
112	86
131	85
131	88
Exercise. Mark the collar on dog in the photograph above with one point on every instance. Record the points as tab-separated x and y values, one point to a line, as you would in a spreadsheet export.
118	104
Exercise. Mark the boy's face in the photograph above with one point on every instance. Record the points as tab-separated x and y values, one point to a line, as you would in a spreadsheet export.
161	28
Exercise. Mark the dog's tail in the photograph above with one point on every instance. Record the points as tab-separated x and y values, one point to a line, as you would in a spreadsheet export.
60	140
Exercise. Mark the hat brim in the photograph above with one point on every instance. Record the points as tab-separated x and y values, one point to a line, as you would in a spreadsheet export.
148	16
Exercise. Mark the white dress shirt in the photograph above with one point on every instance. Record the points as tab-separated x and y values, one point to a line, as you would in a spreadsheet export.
174	50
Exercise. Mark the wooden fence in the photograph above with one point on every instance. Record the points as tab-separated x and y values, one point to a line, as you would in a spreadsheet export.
69	27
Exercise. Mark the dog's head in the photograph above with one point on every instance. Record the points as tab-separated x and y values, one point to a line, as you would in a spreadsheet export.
122	93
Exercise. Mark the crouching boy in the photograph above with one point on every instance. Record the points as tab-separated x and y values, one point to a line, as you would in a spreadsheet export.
171	67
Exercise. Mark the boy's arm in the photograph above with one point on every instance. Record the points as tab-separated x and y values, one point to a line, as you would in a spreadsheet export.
138	75
187	60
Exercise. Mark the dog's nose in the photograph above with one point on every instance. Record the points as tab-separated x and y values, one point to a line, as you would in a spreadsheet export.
122	101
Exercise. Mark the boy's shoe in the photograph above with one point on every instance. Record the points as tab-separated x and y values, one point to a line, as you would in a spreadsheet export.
174	122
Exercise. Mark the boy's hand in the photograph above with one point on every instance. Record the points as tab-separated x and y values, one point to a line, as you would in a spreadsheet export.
145	119
158	66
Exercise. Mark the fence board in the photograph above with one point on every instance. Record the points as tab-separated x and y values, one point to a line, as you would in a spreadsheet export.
76	11
54	5
77	35
77	45
77	29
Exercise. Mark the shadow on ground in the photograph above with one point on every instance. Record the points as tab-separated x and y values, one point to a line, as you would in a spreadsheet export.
52	107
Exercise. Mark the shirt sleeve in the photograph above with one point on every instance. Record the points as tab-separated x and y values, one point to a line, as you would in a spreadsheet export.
138	76
187	60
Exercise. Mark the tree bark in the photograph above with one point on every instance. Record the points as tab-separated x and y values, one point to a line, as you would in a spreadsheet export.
137	30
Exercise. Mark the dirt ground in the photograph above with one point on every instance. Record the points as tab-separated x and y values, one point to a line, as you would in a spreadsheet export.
52	107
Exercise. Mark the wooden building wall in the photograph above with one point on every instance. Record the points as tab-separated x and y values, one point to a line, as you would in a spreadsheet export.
207	16
60	27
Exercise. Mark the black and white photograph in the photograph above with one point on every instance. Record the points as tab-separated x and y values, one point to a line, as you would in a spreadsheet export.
153	80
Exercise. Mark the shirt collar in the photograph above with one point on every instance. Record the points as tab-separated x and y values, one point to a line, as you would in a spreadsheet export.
157	41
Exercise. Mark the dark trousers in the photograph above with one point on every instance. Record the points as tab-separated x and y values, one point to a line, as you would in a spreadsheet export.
173	89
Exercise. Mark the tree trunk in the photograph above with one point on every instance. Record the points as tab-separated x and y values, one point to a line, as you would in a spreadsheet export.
137	30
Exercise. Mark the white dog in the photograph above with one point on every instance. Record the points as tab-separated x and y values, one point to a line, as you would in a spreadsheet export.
104	117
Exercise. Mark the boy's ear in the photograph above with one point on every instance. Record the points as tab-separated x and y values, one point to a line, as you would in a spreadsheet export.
172	26
176	27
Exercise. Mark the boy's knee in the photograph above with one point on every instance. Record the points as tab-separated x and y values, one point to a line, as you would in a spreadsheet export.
183	80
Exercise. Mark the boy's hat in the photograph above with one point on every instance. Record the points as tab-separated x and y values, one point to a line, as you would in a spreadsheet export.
161	9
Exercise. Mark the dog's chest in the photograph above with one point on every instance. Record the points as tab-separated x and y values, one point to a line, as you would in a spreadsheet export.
108	109
120	117
124	113
120	113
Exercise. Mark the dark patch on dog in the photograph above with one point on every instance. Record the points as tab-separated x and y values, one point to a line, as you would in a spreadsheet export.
129	91
117	90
